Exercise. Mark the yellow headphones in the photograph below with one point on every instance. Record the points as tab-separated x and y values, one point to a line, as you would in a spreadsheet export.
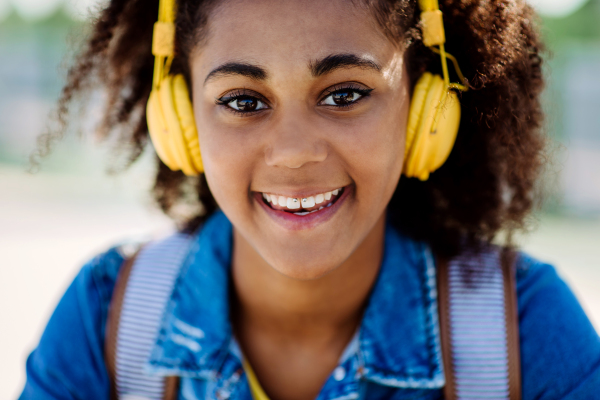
433	121
169	111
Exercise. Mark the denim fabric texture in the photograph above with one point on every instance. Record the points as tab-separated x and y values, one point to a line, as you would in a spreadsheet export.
395	354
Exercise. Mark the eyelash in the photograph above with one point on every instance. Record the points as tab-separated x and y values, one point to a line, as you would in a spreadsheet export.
243	93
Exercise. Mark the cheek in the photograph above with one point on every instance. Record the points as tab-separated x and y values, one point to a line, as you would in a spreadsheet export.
373	150
229	157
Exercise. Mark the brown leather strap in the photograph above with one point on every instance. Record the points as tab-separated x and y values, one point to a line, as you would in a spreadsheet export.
445	331
112	328
512	328
112	323
171	388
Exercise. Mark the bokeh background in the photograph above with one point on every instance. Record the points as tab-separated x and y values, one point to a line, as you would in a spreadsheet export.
52	221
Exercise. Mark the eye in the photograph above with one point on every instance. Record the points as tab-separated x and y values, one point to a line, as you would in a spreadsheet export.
344	96
242	102
246	104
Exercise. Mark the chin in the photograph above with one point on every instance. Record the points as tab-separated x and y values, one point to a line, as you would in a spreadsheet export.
303	267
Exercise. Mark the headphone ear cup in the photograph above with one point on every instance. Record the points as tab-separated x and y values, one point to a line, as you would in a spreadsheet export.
159	133
446	124
417	104
175	133
187	123
433	123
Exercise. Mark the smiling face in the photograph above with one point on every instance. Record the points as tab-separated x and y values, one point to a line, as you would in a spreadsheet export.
300	107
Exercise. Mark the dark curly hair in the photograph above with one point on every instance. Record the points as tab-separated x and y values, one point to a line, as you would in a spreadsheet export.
488	184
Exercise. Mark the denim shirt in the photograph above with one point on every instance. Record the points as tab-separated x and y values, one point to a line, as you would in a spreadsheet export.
395	354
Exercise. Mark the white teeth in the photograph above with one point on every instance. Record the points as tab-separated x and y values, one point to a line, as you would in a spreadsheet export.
308	202
292	203
283	201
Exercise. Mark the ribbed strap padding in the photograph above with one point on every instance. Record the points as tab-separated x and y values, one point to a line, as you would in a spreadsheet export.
478	326
148	289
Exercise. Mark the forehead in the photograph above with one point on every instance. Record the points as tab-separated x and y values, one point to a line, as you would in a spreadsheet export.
290	33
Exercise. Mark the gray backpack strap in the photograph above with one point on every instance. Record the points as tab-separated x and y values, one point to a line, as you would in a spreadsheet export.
479	327
141	293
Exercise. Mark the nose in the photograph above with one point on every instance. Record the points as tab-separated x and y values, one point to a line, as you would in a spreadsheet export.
295	143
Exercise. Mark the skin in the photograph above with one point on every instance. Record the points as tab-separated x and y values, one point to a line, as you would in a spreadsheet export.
299	291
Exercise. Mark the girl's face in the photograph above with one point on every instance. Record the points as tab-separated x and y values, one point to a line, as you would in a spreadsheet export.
300	100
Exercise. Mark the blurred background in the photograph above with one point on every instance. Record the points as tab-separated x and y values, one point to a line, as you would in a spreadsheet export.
52	221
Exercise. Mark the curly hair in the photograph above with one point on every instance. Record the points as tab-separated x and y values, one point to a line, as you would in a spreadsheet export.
488	184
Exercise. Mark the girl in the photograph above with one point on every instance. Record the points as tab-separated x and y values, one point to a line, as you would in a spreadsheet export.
315	209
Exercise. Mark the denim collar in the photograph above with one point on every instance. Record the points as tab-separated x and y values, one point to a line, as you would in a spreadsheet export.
398	340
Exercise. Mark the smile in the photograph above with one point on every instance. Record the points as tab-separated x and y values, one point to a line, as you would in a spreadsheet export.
302	205
303	212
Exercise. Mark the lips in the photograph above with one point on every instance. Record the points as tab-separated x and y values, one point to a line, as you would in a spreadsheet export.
297	217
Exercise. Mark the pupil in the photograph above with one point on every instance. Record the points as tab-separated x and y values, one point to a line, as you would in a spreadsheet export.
342	97
246	104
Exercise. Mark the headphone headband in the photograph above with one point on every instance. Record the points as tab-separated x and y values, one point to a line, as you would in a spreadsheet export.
432	27
163	40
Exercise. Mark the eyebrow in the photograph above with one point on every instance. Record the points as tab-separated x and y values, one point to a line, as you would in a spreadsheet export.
236	68
338	61
318	68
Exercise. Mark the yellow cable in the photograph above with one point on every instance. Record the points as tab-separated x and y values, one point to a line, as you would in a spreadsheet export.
445	55
257	391
442	53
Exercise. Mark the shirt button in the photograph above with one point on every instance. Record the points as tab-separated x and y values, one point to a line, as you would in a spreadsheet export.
339	373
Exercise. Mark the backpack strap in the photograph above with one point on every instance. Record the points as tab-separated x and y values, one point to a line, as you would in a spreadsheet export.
479	327
112	322
134	318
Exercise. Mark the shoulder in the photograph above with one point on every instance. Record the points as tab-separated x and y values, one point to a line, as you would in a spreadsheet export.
95	282
69	359
98	276
560	350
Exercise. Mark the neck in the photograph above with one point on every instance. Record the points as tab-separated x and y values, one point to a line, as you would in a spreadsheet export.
325	309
